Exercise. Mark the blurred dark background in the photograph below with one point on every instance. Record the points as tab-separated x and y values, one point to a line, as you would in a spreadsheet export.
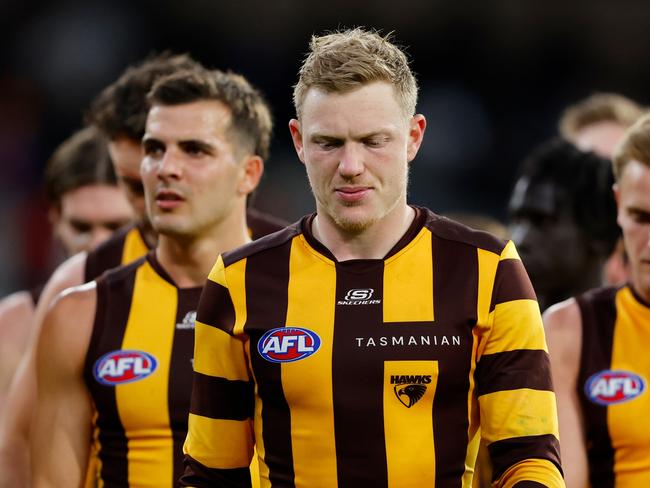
494	78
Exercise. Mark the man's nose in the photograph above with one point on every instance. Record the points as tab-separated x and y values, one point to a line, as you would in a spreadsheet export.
351	162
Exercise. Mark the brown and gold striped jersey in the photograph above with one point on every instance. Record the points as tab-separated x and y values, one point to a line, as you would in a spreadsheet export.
129	244
612	386
124	246
138	371
371	372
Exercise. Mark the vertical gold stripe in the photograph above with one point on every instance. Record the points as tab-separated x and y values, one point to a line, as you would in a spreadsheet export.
629	353
408	282
487	270
409	430
260	450
150	329
473	432
312	288
134	246
236	280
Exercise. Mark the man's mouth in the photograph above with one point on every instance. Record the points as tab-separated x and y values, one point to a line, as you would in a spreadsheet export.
353	193
168	199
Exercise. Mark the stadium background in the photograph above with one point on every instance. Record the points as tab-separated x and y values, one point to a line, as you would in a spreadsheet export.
494	77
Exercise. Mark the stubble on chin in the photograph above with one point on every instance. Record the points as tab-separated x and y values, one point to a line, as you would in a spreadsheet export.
353	226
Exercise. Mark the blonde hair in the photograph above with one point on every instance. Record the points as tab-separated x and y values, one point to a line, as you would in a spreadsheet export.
343	61
634	146
598	108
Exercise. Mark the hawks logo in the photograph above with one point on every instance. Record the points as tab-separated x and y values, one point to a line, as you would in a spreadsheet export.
119	367
288	344
610	387
188	321
410	388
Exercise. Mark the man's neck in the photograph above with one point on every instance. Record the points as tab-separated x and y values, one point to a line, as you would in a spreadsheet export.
373	242
149	235
189	259
643	293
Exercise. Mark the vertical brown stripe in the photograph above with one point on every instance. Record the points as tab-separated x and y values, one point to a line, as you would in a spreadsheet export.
598	310
107	255
267	281
358	379
114	294
180	373
455	291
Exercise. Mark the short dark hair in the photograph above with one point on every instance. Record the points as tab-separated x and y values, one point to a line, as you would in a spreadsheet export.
251	117
586	179
121	108
80	160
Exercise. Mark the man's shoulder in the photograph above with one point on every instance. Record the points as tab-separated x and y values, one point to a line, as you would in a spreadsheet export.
561	315
451	230
263	244
77	301
19	302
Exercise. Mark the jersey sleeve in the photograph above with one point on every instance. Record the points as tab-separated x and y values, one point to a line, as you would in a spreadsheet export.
515	394
219	445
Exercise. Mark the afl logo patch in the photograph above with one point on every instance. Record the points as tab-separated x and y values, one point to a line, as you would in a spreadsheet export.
123	366
610	387
288	344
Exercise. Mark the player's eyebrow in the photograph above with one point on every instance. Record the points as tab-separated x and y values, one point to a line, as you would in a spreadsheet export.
196	145
150	143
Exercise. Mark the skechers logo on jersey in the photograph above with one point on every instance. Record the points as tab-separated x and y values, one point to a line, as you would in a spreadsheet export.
609	387
359	296
188	321
410	388
287	344
123	366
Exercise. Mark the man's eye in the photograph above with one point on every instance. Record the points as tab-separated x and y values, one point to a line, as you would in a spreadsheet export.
152	149
641	218
327	143
81	227
375	142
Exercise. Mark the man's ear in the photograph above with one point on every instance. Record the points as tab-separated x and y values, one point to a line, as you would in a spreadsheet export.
253	168
296	137
417	125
